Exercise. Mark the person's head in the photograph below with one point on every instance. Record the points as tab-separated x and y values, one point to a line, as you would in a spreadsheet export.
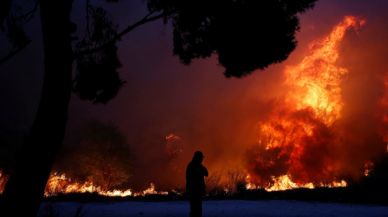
198	156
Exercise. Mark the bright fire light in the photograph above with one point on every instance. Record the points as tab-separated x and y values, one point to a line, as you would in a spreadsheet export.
60	184
302	122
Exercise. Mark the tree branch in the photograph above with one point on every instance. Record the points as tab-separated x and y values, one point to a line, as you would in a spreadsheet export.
87	17
25	18
12	53
30	13
146	19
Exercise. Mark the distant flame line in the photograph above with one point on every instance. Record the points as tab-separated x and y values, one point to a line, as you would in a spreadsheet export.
61	184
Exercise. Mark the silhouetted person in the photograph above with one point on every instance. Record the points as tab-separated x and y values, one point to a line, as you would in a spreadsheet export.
195	183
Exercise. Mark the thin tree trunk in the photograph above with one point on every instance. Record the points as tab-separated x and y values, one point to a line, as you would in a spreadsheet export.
24	190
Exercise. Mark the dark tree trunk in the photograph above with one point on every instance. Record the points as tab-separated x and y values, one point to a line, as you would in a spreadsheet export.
5	6
24	190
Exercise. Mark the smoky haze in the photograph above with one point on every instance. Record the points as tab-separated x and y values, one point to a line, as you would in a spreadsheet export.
224	118
221	116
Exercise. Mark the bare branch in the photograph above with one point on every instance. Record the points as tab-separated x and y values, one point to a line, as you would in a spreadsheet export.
23	19
87	17
146	19
12	53
30	13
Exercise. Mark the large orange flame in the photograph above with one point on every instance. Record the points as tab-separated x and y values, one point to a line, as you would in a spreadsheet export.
317	77
302	122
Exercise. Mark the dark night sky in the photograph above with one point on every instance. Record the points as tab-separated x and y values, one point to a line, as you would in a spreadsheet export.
195	102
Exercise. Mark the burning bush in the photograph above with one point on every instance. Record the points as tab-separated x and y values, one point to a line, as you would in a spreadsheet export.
105	154
101	157
229	181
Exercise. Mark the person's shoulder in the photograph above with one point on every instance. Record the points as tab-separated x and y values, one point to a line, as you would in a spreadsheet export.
194	165
191	164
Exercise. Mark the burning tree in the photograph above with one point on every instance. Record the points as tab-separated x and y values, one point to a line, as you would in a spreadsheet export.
301	134
173	152
105	154
101	157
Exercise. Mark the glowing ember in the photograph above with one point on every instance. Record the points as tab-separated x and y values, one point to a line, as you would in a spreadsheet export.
368	168
297	133
1	181
151	190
